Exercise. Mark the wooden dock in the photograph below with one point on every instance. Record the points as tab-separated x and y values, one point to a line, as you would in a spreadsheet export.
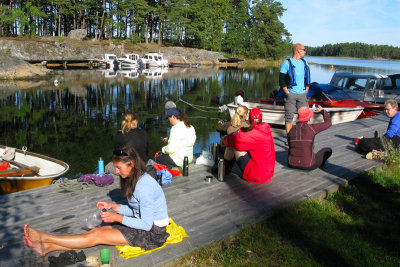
207	211
65	63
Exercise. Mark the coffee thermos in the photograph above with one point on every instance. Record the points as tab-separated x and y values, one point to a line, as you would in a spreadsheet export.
221	170
185	166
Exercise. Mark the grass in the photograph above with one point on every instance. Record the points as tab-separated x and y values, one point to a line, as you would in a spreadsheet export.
357	226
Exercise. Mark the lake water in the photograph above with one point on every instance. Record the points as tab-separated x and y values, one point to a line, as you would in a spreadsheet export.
75	120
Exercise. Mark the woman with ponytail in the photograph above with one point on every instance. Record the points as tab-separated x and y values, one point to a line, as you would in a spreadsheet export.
131	135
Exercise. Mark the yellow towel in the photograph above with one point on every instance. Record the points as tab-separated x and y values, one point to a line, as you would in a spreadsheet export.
176	234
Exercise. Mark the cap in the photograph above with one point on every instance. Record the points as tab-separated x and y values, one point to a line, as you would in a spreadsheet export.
305	114
255	115
169	105
173	111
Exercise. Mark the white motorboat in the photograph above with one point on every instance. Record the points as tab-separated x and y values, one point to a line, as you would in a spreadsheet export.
275	114
109	61
154	60
29	170
130	61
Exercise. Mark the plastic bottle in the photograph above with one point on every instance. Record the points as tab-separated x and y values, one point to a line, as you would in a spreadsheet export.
101	165
185	166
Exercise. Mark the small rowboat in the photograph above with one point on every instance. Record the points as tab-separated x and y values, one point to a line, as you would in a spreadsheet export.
275	114
29	170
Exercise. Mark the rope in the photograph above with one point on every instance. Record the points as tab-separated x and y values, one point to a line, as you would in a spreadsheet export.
199	107
72	185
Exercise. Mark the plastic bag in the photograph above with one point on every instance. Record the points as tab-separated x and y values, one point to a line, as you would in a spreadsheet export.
8	154
92	221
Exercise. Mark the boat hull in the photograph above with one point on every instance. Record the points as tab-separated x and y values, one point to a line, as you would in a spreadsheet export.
275	114
48	167
12	185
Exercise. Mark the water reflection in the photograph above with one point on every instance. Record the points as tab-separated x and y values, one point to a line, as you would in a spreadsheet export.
76	120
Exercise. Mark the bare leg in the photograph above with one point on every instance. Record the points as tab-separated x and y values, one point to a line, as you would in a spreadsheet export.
288	126
43	243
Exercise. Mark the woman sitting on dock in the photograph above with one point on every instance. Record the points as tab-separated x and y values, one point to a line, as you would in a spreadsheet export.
141	223
180	142
253	148
131	135
301	140
239	119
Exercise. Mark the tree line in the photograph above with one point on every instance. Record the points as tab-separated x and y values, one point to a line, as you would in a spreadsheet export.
357	50
233	26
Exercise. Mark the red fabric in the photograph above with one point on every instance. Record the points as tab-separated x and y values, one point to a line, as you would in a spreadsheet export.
4	166
260	146
160	167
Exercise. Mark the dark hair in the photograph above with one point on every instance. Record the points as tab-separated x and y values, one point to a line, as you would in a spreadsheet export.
183	117
125	155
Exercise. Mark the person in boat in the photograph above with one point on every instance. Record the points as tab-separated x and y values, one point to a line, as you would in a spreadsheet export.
294	80
301	140
367	145
180	141
141	223
253	148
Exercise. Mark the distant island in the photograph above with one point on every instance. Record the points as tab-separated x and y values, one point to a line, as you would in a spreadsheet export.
356	50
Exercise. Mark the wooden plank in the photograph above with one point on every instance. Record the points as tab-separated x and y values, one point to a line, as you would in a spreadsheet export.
16	172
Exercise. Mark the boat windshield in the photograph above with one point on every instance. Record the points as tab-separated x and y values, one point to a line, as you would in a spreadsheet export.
337	94
357	84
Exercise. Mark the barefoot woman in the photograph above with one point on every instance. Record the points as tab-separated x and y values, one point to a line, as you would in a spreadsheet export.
141	223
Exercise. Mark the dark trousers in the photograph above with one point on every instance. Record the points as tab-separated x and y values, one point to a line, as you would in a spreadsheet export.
320	159
366	145
166	160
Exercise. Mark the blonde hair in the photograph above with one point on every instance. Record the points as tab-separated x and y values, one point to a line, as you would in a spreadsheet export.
127	122
239	116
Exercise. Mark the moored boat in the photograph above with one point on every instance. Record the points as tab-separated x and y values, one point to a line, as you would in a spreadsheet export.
275	114
29	170
109	61
154	60
329	96
130	61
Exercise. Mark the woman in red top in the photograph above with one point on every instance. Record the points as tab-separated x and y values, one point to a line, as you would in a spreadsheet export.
253	149
301	141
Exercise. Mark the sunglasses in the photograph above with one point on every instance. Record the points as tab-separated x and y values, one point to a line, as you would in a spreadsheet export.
120	153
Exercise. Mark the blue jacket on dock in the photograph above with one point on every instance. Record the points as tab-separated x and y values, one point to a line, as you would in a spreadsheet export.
394	126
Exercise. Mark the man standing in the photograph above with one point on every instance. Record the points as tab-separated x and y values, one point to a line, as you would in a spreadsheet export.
366	145
294	80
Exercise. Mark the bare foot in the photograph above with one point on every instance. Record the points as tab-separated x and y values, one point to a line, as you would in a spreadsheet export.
32	240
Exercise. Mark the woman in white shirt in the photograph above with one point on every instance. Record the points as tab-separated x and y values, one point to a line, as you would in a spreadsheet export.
180	142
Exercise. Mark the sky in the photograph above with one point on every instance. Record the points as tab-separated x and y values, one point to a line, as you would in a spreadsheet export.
319	22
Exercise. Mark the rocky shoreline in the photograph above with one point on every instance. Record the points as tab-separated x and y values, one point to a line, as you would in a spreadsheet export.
15	52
